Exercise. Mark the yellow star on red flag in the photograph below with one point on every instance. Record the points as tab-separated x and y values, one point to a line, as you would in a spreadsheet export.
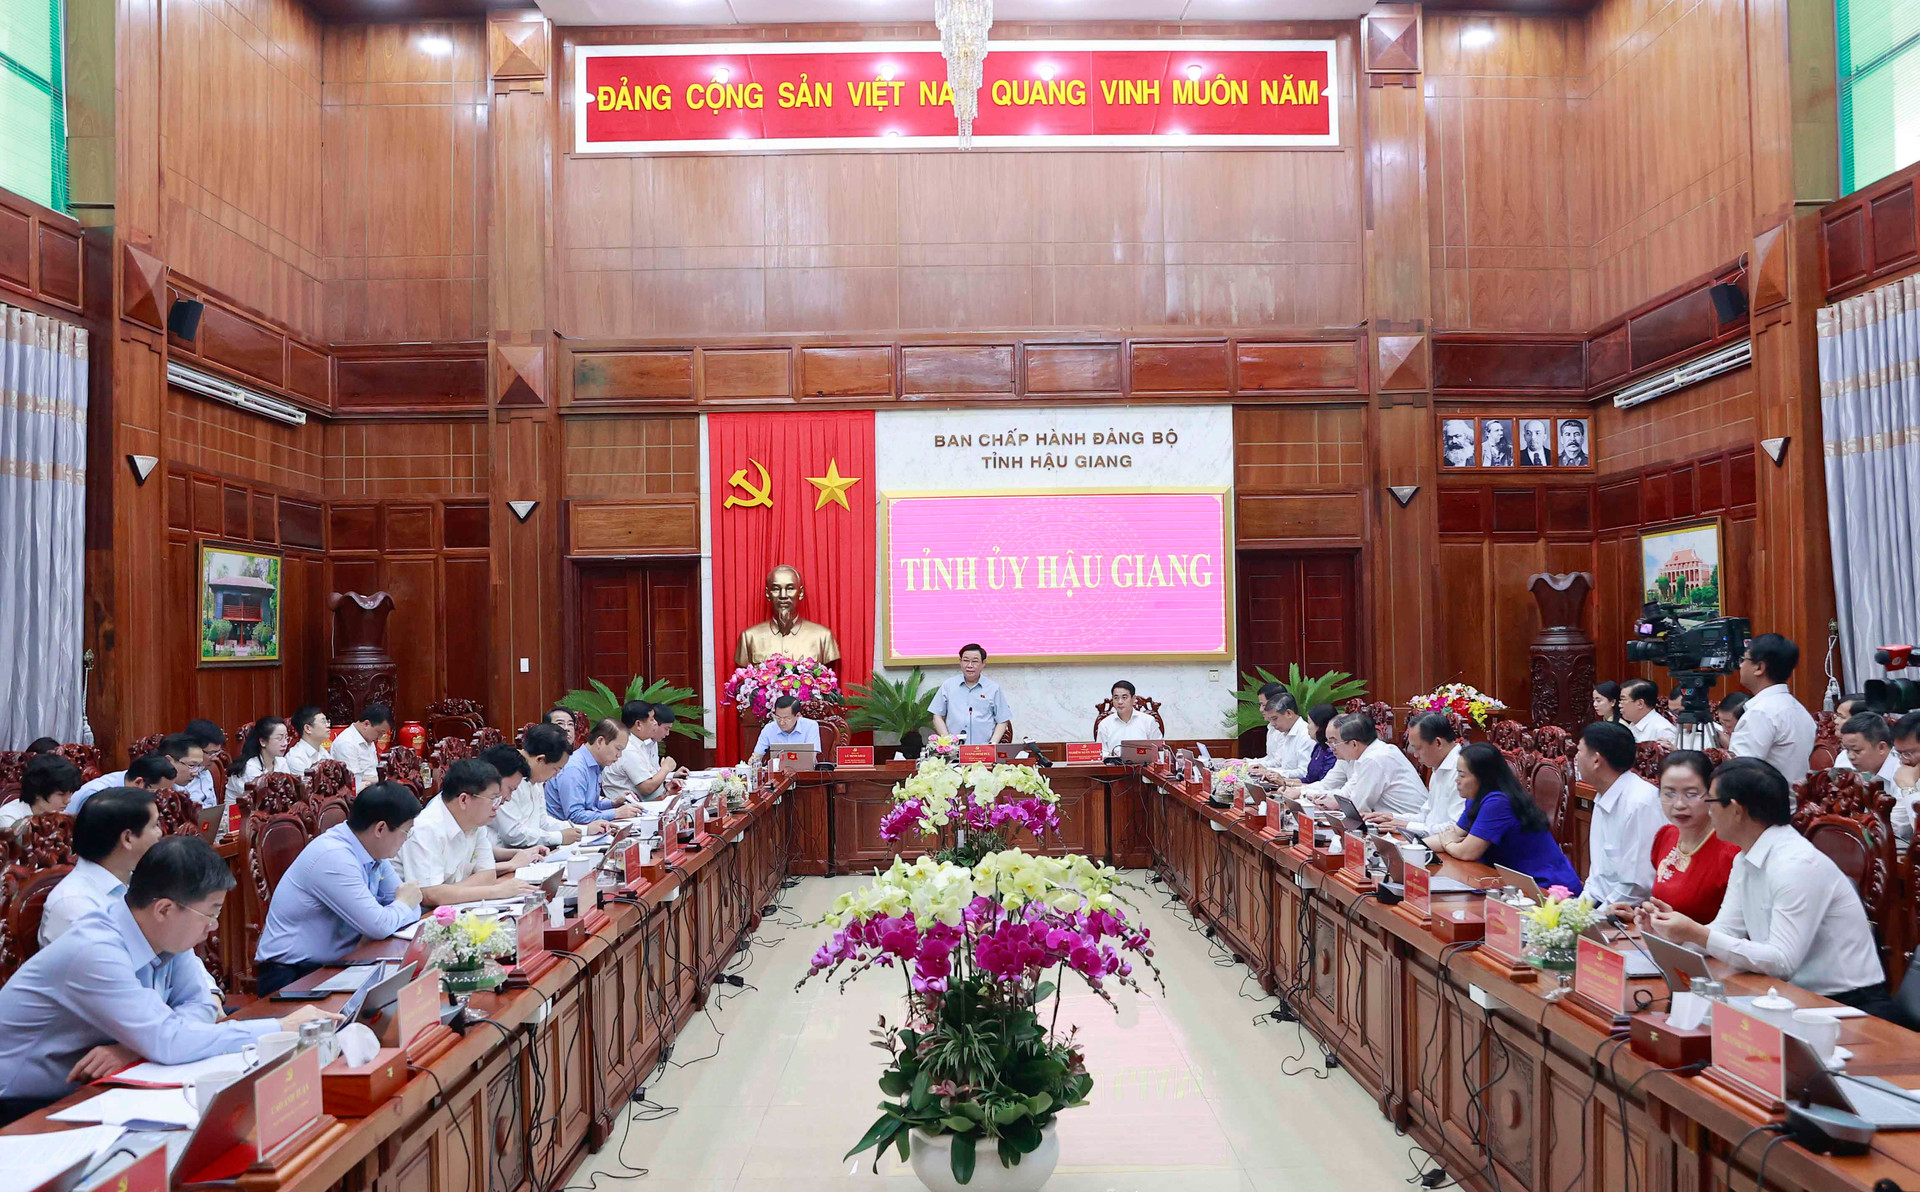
833	486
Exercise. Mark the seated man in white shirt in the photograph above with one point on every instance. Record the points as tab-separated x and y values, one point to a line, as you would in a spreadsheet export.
787	728
638	773
358	745
1431	735
211	738
1381	778
523	820
46	787
315	731
1638	700
1789	912
1626	816
1127	722
154	772
1289	736
450	854
1867	741
110	835
1773	726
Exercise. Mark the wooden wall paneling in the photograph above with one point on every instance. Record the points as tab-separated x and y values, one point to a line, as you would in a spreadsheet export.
847	372
638	376
410	378
40	257
209	437
746	373
950	370
1278	519
1331	366
651	455
1296	448
1074	368
628	528
1493	365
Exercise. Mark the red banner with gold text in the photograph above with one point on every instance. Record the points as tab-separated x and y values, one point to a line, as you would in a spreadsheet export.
791	488
886	95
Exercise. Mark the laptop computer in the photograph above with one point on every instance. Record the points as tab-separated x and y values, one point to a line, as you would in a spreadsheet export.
1006	752
377	995
790	759
1881	1102
1398	860
1520	881
1678	964
1354	821
1139	753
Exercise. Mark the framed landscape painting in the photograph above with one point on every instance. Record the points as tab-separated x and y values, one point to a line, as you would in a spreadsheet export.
239	607
1681	566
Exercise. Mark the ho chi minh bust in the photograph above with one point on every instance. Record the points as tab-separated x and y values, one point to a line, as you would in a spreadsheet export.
785	632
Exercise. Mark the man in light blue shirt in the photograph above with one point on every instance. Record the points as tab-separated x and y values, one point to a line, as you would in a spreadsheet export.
969	706
340	890
574	793
788	727
123	985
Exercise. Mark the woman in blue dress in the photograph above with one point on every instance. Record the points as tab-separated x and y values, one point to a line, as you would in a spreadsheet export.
1501	824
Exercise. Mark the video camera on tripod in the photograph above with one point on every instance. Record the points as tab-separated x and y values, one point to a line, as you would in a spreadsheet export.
1891	696
1695	655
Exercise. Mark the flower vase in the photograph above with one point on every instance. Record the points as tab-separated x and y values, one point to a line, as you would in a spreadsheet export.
1553	959
932	1161
481	978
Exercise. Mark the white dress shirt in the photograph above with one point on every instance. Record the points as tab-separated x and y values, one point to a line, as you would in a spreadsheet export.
12	812
1444	803
1114	730
200	790
438	852
1903	798
1384	780
639	761
1775	728
1620	841
1336	779
86	887
523	820
358	755
1790	913
303	757
1288	753
1654	727
88	790
237	783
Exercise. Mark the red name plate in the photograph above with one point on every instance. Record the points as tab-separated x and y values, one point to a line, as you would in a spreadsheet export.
632	861
976	753
419	1007
530	936
1600	974
1084	753
1748	1049
418	950
286	1099
1353	858
1503	928
853	755
1419	896
233	819
148	1173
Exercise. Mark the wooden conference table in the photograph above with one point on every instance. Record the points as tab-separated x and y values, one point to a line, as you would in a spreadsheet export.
503	1109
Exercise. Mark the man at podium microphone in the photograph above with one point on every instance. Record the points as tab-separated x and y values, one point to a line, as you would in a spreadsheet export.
971	706
788	727
1127	721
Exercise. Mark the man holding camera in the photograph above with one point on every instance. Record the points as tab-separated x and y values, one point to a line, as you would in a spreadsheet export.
1773	726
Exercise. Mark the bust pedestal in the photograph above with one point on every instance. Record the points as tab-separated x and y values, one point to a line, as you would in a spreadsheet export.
1561	658
361	672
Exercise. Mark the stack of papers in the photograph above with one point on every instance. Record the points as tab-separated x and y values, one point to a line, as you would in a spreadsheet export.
539	872
172	1076
151	1108
32	1159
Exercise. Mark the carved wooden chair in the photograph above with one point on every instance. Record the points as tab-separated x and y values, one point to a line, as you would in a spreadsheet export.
403	765
1550	740
1647	757
1381	712
1549	780
281	794
330	812
1144	703
486	737
179	814
454	718
238	740
581	727
1463	729
273	841
42	841
1508	736
1826	741
145	745
1847	816
327	778
25	894
88	757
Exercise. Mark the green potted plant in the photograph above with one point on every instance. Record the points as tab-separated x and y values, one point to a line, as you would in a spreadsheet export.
599	702
896	710
1334	687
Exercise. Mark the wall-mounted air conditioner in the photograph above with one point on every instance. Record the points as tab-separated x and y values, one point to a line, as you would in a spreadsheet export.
238	396
1735	355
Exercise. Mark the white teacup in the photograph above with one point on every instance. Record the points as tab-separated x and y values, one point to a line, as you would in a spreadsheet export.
275	1044
578	867
1820	1029
202	1091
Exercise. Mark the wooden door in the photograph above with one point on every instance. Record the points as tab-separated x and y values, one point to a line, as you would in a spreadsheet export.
1298	607
641	619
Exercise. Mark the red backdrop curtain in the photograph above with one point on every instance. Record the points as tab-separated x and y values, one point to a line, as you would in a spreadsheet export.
833	547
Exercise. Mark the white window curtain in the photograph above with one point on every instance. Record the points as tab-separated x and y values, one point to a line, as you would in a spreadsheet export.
43	482
1870	414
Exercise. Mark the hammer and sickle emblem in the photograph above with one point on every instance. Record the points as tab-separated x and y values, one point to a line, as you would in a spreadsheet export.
762	495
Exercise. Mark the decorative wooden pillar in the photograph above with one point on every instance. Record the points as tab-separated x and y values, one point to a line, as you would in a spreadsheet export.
1561	659
361	672
1402	560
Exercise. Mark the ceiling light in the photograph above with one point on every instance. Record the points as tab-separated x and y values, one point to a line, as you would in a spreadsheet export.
721	74
963	26
439	47
1476	37
887	71
1047	71
1194	71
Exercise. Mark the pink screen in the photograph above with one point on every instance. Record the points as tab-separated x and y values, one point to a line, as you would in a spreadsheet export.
1059	575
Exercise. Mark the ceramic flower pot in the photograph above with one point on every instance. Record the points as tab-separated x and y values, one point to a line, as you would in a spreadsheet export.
932	1160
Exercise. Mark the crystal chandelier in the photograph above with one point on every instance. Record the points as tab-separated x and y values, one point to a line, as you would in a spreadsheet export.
963	43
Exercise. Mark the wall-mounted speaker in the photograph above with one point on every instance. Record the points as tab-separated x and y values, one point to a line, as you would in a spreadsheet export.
183	317
1729	301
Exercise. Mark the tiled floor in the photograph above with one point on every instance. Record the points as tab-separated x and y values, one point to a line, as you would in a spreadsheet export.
1188	1093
